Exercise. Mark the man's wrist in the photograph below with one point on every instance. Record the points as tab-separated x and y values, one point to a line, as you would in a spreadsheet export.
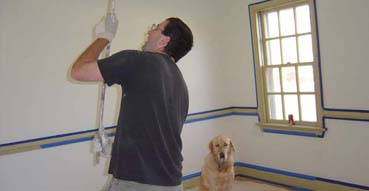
107	36
103	40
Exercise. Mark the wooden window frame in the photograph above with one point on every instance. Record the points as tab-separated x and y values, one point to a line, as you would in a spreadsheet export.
265	122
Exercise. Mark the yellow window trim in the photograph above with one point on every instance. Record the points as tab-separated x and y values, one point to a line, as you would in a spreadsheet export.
265	123
295	128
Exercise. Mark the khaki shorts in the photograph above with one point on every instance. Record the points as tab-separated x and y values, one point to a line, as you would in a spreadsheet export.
123	185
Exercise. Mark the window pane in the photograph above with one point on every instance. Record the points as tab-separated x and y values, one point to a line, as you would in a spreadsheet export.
289	50
291	106
306	78
273	81
272	29
287	22
303	19
305	48
308	108
275	107
274	52
289	79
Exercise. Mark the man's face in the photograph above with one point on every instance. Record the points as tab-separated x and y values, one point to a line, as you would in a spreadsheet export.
156	40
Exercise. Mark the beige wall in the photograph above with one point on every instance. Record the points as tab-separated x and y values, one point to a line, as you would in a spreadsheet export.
39	40
341	155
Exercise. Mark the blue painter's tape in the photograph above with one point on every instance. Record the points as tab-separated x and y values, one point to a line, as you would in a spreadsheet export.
207	118
45	138
299	189
244	107
52	137
210	111
297	175
61	143
228	113
44	146
94	130
266	169
245	114
343	183
291	133
190	176
346	119
271	182
347	110
221	109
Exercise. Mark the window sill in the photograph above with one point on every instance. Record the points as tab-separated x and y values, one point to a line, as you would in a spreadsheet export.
297	130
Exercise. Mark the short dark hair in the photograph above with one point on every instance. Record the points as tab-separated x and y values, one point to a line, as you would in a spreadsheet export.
181	39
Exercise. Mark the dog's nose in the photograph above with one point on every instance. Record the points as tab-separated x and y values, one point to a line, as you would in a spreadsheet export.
221	155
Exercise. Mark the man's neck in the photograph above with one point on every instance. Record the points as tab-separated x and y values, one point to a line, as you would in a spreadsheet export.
160	52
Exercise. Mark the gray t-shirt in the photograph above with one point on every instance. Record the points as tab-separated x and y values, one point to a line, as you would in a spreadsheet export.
147	146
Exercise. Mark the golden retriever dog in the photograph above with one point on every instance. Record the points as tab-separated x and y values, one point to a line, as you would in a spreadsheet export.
217	174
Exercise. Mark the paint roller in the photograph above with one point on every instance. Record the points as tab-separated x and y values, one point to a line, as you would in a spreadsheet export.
101	141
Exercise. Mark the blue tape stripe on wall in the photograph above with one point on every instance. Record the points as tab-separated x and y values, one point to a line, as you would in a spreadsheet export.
48	145
347	110
221	109
94	130
346	119
290	133
196	120
229	113
266	169
297	175
52	137
299	189
49	137
190	176
245	114
210	111
282	172
274	183
44	146
344	183
207	118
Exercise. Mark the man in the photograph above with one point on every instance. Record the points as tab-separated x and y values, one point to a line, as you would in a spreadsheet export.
146	152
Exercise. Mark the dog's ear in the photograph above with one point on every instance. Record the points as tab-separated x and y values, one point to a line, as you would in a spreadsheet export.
232	147
211	146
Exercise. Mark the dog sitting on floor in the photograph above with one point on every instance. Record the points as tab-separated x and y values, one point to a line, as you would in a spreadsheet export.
217	174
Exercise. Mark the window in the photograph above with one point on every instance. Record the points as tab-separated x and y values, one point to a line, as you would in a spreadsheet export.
286	65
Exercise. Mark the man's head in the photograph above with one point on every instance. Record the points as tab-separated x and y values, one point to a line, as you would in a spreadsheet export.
172	37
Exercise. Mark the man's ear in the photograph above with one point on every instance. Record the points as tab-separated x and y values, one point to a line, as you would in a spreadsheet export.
164	40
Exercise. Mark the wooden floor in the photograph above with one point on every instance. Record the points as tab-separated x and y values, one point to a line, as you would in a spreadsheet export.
245	184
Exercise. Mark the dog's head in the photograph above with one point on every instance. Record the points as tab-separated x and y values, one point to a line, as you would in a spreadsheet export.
221	148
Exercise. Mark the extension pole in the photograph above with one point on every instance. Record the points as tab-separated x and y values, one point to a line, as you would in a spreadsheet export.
101	138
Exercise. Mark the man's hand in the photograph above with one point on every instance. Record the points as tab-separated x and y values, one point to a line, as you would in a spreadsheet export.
107	27
85	68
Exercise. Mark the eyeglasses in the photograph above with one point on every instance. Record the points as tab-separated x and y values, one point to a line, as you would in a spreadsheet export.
155	27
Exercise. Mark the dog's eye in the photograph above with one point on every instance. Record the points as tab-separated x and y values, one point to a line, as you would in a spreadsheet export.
217	145
225	144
